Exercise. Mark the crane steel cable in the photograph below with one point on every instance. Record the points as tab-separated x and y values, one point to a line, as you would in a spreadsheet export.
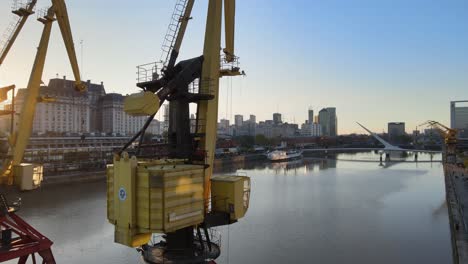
227	103
142	131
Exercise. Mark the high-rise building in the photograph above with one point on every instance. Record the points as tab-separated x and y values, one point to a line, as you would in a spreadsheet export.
253	119
252	125
333	121
277	118
459	117
395	131
323	120
238	120
224	124
310	118
328	121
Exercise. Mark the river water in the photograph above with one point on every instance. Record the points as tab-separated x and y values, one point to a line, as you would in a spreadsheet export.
347	209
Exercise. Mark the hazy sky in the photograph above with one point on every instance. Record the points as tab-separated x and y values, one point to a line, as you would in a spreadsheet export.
375	61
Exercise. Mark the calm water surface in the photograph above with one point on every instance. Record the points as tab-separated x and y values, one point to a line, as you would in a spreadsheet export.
350	210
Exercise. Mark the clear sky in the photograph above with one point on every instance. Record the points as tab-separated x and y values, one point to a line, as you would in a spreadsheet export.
375	61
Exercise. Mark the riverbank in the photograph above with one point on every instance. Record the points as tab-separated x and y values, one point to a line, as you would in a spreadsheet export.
456	187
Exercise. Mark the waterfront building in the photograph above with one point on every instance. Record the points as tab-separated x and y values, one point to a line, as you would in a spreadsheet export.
395	131
73	112
272	130
70	112
115	120
59	154
328	121
459	116
311	130
323	118
333	121
324	122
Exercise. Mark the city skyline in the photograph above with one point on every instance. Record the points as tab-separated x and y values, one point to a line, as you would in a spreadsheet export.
377	62
225	123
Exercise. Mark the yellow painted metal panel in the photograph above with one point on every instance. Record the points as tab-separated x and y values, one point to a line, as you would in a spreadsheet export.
144	103
110	193
125	199
227	194
167	197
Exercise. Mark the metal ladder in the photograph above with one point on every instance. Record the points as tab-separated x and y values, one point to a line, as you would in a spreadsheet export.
172	30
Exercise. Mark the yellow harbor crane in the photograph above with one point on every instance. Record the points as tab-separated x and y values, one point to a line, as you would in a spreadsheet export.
450	138
175	193
19	239
18	141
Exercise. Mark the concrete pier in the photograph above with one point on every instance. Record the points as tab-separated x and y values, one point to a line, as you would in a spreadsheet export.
456	186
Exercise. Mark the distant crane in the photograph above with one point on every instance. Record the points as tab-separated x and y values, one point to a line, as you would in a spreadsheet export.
450	138
12	32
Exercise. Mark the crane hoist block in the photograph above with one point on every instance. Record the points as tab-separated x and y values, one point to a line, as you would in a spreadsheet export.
145	197
144	103
230	194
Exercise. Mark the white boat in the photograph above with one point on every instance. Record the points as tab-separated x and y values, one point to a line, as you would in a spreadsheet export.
282	155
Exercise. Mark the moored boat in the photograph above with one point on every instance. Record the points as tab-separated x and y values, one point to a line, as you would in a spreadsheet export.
283	155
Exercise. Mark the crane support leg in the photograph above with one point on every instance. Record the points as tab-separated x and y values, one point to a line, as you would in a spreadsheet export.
229	28
21	138
208	110
61	13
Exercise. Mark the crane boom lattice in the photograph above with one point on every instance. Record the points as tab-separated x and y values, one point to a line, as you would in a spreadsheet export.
22	11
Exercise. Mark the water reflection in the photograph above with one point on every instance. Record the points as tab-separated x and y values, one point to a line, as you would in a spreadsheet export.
319	210
304	164
324	161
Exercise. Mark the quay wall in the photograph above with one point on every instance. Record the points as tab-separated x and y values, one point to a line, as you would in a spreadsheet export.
456	187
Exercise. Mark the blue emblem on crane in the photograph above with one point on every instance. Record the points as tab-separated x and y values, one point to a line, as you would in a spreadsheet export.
122	194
